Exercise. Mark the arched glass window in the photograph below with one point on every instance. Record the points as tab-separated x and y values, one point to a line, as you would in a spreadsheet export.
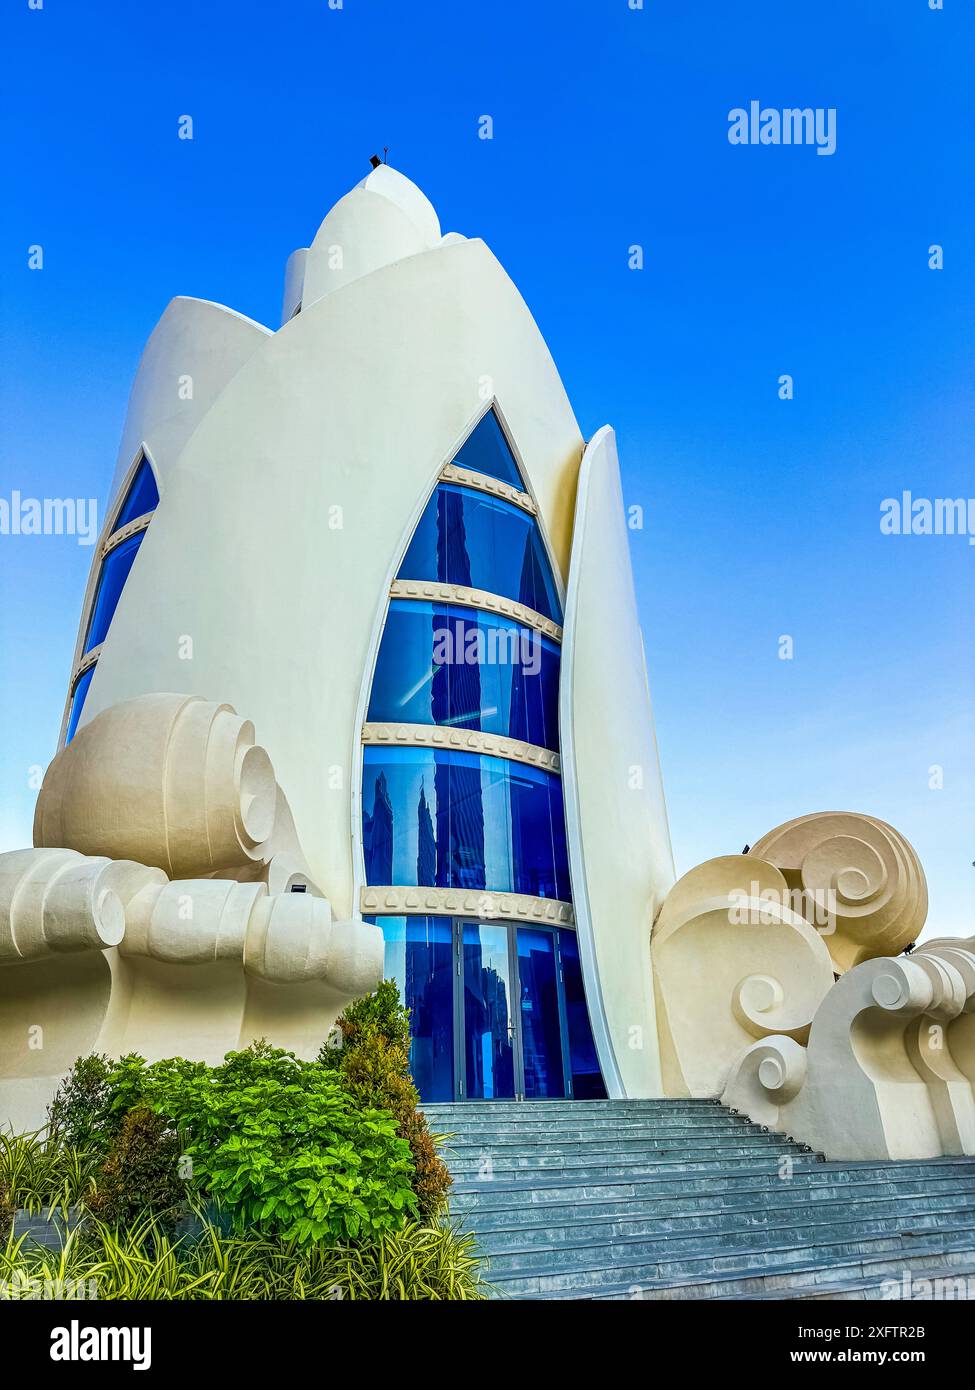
449	819
487	451
470	538
140	501
444	664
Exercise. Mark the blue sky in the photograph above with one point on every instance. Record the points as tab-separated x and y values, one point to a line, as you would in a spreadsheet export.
610	129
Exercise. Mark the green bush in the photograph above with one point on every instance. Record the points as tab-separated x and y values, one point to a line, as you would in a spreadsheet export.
372	1058
278	1143
141	1173
79	1116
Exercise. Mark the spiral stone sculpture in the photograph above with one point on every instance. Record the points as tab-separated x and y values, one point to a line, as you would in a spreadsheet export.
169	780
866	871
732	963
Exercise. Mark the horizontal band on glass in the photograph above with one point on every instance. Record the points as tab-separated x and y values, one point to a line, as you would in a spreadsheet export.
393	900
475	598
466	477
464	740
124	532
87	660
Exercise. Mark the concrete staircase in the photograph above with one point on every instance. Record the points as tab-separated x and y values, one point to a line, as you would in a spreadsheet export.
684	1199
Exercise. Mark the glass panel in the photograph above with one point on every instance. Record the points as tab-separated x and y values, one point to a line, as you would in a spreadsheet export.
488	1038
114	572
78	701
539	856
587	1081
419	957
458	820
444	664
465	537
487	451
142	497
541	1032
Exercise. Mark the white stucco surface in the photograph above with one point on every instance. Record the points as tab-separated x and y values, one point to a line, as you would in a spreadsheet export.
619	843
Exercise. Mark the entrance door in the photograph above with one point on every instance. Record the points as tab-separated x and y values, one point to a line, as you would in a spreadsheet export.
497	1010
511	1035
487	1014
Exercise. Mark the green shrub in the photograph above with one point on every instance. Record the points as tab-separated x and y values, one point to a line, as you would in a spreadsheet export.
373	1061
141	1173
282	1146
79	1114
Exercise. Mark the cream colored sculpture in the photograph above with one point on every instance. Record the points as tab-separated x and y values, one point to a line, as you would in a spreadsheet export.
879	1064
878	1078
732	962
874	880
109	954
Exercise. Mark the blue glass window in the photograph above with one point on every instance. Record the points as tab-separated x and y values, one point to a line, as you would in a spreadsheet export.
419	957
114	572
587	1081
444	664
440	818
487	451
142	496
466	537
78	701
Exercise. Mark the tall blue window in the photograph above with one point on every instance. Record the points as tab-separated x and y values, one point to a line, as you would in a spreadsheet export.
495	1014
141	499
444	664
470	538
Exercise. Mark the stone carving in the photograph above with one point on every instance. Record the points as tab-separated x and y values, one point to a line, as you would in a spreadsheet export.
169	780
112	941
732	962
885	1074
865	869
879	1063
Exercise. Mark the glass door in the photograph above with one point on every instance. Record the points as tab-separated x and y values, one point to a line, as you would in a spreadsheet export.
497	1010
488	1008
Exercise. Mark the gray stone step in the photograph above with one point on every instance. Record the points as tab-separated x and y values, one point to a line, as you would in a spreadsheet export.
510	1210
626	1266
912	1213
685	1199
864	1277
513	1152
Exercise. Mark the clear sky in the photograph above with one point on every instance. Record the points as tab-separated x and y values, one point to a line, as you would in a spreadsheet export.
610	130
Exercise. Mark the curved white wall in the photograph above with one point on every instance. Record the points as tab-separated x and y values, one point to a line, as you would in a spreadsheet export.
194	339
620	855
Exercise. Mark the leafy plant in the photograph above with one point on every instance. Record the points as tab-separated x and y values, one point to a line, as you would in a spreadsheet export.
78	1115
142	1261
373	1060
141	1172
40	1173
6	1211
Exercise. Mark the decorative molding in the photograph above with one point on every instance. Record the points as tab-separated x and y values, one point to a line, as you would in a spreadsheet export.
483	482
464	740
87	660
399	901
139	523
475	598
